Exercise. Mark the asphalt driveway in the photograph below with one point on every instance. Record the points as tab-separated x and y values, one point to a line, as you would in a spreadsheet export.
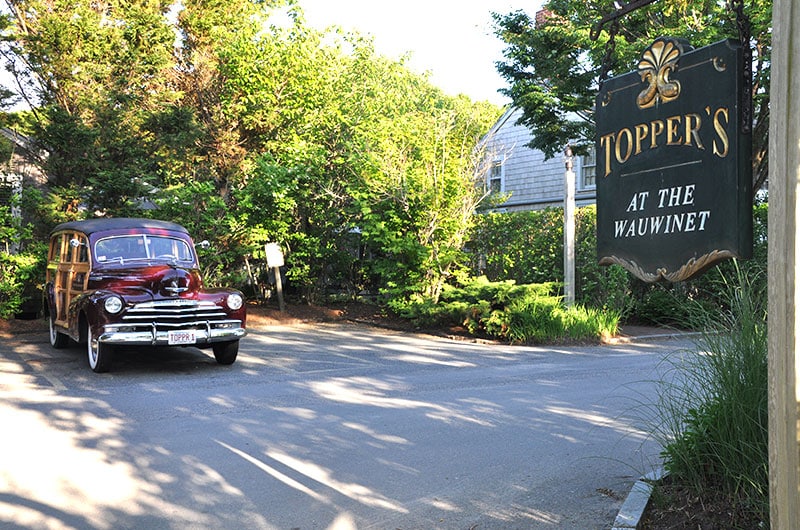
329	426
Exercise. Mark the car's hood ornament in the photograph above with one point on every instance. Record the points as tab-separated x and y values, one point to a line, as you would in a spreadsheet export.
174	289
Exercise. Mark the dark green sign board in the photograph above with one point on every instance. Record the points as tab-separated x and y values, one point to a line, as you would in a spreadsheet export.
673	165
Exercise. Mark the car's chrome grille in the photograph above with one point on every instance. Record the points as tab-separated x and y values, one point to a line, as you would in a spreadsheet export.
175	314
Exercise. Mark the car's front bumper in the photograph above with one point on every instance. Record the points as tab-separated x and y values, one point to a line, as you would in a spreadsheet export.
155	337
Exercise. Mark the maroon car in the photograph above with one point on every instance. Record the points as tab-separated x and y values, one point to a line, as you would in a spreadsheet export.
135	282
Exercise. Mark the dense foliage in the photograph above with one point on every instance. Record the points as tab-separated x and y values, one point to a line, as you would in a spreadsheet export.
20	268
502	244
238	120
501	249
528	313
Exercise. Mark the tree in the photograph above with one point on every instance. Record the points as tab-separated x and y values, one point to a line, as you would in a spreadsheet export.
553	67
418	204
97	73
248	126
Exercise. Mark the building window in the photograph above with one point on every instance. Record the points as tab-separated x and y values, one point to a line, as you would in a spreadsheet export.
588	169
495	181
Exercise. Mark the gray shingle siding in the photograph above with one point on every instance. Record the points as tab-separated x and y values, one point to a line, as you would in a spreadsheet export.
531	181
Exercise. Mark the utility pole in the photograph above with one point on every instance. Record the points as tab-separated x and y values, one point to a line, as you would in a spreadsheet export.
569	228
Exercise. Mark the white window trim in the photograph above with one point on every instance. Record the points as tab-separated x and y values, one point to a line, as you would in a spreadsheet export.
496	163
581	180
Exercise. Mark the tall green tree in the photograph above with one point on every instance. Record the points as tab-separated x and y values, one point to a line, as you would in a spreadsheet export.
553	67
418	204
97	72
240	121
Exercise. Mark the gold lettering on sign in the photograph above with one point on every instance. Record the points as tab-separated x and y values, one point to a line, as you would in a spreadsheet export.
657	63
681	130
720	114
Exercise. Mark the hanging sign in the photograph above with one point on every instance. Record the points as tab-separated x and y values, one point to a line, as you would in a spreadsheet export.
674	172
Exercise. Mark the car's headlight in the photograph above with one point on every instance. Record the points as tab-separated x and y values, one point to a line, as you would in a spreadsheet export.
235	301
113	304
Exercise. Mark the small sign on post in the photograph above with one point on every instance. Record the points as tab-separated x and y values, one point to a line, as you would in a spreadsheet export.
275	262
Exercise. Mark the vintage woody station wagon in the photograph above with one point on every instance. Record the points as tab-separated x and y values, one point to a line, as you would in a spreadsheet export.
113	282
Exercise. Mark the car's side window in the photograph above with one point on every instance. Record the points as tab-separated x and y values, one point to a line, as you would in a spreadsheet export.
82	250
112	248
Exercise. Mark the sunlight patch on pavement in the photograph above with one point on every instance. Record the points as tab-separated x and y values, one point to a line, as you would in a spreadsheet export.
54	467
429	359
343	521
24	517
318	474
598	420
67	459
441	504
371	392
378	436
274	473
324	476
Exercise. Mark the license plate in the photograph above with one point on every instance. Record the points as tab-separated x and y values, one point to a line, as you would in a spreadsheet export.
176	338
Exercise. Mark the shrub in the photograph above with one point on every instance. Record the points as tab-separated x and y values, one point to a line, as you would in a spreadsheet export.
18	278
527	247
21	264
531	313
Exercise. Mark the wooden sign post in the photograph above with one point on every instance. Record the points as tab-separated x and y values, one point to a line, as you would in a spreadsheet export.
784	287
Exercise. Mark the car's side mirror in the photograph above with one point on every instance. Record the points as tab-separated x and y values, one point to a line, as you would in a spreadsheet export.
204	244
75	243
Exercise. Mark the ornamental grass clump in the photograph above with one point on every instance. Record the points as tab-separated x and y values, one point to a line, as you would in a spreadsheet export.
712	412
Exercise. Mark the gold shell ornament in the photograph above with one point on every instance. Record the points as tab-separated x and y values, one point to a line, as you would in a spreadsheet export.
657	63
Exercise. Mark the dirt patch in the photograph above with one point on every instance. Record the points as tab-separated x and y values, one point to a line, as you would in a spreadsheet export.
674	507
9	328
259	316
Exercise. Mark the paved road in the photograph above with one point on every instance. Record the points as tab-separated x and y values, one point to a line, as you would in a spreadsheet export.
331	426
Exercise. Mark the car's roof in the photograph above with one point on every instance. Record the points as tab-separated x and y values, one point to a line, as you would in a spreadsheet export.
90	226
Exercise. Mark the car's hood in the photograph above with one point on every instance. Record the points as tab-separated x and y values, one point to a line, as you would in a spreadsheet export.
158	280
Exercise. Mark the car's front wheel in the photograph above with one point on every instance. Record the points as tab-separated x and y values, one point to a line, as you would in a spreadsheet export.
99	353
226	352
57	339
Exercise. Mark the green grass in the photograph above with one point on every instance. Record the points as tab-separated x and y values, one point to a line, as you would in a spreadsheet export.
711	417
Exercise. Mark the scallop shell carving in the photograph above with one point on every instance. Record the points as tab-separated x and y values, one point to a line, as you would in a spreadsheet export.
657	63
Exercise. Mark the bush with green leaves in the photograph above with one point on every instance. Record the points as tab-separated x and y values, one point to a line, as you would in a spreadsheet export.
528	247
22	263
529	313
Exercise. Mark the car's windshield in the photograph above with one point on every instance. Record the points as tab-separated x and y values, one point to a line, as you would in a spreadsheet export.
142	247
